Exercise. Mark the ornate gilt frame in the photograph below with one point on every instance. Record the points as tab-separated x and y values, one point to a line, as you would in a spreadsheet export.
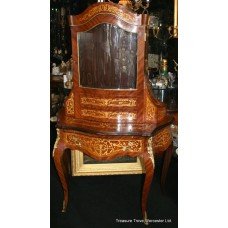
81	169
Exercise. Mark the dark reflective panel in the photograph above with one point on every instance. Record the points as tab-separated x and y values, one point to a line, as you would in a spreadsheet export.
107	58
124	159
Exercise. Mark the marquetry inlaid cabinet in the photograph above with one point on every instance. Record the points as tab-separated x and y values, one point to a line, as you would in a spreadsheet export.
111	110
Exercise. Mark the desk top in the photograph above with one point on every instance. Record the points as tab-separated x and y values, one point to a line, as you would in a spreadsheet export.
107	128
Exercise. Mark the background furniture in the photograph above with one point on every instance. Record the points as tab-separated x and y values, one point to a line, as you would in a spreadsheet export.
111	110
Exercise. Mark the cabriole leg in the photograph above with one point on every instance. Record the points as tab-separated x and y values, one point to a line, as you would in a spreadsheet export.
148	159
61	163
165	167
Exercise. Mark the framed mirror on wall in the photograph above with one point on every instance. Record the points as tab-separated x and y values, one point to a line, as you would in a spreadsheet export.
83	165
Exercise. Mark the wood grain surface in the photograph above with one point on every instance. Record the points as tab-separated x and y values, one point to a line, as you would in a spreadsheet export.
107	123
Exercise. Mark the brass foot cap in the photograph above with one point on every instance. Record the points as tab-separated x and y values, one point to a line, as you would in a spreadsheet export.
64	206
146	222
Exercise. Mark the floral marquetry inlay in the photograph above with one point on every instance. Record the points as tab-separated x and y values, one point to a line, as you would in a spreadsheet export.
103	147
70	105
109	115
150	110
115	102
162	139
106	8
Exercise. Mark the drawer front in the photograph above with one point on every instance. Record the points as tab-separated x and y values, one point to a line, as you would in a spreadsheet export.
104	146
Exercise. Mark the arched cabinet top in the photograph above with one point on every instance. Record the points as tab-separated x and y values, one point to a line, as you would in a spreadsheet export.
107	8
109	68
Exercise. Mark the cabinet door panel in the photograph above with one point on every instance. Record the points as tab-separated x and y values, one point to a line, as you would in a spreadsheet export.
107	58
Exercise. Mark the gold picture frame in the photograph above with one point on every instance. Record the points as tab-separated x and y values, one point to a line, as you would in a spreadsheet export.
81	169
